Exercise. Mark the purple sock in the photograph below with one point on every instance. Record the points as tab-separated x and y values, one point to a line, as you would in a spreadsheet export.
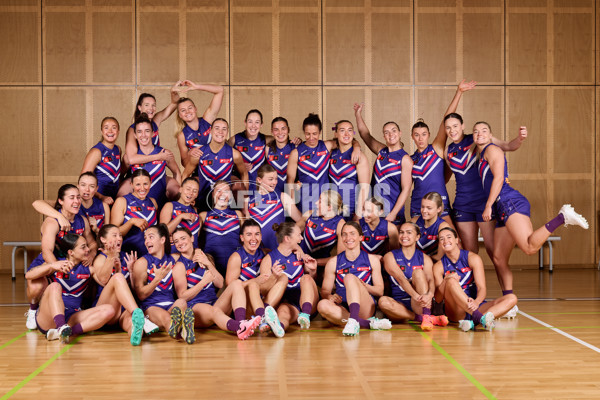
418	318
33	306
233	325
76	330
239	314
354	309
555	223
260	312
306	307
282	326
505	292
426	311
59	320
477	317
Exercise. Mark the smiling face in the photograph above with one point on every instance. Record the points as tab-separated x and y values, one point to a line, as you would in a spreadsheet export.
482	134
143	133
88	185
280	131
148	106
344	133
371	212
187	111
222	195
110	130
81	251
71	201
268	182
454	129
351	237
153	241
251	238
253	124
421	137
112	238
183	242
407	234
141	186
391	134
219	131
448	241
296	236
430	210
188	192
323	205
311	135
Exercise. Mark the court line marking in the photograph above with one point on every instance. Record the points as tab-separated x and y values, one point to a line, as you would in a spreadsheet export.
11	341
452	361
565	334
25	381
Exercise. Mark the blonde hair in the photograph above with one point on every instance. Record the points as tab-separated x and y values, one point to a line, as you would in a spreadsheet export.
179	123
334	199
436	198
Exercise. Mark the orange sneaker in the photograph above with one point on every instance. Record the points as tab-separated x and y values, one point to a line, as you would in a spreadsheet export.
439	320
427	323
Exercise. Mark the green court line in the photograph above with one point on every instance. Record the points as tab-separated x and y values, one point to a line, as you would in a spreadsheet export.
40	369
11	341
452	361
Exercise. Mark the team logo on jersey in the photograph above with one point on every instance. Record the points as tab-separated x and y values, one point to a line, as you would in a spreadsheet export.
380	237
311	224
192	142
225	160
83	276
415	267
321	153
328	230
465	269
361	269
243	149
431	237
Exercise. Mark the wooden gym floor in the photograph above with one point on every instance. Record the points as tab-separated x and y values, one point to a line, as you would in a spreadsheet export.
550	351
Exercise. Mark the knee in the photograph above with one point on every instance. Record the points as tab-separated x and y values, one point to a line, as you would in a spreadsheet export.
350	278
237	284
118	278
384	302
512	299
182	304
282	278
324	306
107	312
529	250
54	288
306	279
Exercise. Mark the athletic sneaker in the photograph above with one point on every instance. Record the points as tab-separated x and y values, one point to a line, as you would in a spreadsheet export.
304	320
352	327
380	324
427	323
487	321
137	327
176	322
30	323
187	331
272	320
149	326
439	320
466	325
510	314
572	217
63	333
247	327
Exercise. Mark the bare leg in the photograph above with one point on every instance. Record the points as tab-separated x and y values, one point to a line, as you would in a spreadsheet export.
503	246
394	310
528	240
500	306
92	318
51	305
332	312
357	293
287	313
467	231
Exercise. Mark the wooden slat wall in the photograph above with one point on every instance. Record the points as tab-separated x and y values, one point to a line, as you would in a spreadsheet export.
68	63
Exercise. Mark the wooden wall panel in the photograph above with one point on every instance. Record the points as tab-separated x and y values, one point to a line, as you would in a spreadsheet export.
431	103
20	61
207	48
337	105
527	48
21	137
299	48
483	55
244	99
344	38
483	104
528	107
391	44
114	102
573	123
391	3
344	3
574	48
113	47
435	51
65	116
62	45
251	48
295	104
158	33
299	3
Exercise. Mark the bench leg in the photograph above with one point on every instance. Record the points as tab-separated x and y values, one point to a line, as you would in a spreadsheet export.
541	257
13	262
550	256
25	263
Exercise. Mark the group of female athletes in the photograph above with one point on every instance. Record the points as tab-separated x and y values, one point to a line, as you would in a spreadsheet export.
310	234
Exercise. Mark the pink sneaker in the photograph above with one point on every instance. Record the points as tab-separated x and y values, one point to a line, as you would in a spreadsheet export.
247	327
439	320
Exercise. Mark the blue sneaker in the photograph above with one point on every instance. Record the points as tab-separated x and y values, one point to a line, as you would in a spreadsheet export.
466	325
137	329
304	320
272	319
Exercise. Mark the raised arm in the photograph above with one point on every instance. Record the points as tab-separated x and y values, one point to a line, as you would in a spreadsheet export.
211	112
373	144
514	144
166	112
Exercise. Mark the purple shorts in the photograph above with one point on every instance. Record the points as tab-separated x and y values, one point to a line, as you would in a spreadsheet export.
506	206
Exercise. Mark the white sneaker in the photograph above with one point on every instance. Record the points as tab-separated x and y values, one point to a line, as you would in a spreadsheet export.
380	324
149	326
572	217
272	321
466	325
352	327
31	323
63	333
487	321
512	313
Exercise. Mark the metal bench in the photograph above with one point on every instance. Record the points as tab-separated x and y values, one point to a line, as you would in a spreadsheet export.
541	252
17	246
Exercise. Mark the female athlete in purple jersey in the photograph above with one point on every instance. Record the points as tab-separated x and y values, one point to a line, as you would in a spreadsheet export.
278	151
511	209
460	282
430	222
379	235
96	211
356	277
182	213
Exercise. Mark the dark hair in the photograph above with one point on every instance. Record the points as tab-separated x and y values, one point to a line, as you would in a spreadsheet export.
87	173
419	124
312	119
137	112
189	179
484	123
67	243
247	224
62	191
142	119
355	225
254	111
183	229
163	232
103	232
447	228
221	119
140	172
453	115
335	128
273	144
110	118
264	169
414	226
282	230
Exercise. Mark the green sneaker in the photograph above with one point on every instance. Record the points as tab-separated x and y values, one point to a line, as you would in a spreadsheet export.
487	321
304	320
187	332
272	320
137	329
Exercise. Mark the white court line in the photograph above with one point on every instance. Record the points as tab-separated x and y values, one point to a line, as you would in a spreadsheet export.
565	334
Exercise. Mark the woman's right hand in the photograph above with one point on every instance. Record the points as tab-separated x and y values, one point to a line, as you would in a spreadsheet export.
141	223
63	266
64	223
